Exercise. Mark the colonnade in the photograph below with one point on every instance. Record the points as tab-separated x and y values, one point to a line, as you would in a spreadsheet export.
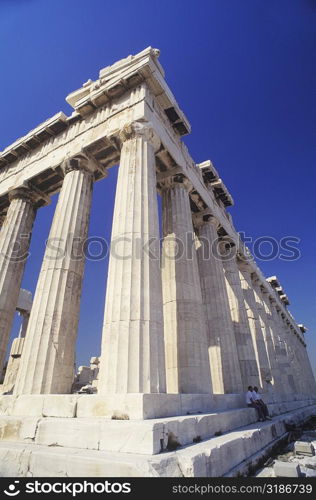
196	321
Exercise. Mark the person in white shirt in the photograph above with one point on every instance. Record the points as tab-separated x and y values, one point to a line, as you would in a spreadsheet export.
258	399
252	403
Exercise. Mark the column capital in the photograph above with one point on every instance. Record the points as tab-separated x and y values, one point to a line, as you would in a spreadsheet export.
255	279
82	161
176	181
201	218
29	193
144	129
264	291
244	266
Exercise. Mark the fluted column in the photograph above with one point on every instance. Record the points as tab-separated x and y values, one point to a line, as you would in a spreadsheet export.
132	358
239	318
15	238
280	349
286	341
306	372
264	314
2	219
224	363
309	375
255	328
47	362
187	360
294	357
24	324
296	343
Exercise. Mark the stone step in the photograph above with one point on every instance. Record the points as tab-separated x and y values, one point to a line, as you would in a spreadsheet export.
130	406
284	407
129	436
231	454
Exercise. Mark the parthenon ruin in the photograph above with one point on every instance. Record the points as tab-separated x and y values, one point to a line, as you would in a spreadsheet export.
188	323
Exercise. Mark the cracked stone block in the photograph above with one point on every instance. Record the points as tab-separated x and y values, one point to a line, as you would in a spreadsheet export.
286	469
30	405
304	448
18	428
73	433
60	405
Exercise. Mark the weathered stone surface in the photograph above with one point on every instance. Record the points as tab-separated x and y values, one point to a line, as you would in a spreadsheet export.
129	115
30	405
15	238
257	333
132	358
18	428
229	454
187	361
222	344
304	448
13	364
6	404
48	355
81	433
14	460
60	406
286	469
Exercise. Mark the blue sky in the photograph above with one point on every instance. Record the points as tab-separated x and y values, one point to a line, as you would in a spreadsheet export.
244	73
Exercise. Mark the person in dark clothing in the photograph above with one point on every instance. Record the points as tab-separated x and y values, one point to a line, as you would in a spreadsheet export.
258	399
251	403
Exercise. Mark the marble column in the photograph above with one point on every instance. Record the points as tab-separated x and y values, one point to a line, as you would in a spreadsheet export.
265	315
301	369
187	360
294	357
255	328
15	238
47	362
222	348
132	359
245	348
2	219
289	366
24	324
309	375
13	365
282	361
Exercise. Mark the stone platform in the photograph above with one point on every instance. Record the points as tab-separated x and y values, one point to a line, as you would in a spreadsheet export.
132	406
212	444
147	437
120	406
